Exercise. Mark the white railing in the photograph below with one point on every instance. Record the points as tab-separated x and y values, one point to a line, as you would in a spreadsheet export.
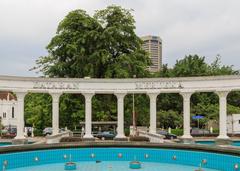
52	139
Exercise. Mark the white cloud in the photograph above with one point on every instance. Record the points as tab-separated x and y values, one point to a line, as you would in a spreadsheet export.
206	27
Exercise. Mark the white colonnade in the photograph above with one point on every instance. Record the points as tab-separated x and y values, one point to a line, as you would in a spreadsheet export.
120	113
221	85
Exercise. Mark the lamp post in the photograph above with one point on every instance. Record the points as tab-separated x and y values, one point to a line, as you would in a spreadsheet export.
134	114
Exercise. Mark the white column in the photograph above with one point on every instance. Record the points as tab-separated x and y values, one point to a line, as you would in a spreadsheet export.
153	112
1	109
186	114
120	113
55	112
222	114
88	115
20	114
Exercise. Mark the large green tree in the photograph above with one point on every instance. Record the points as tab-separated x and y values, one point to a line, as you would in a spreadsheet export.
104	45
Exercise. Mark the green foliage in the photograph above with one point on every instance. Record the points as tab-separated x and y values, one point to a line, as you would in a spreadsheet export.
38	132
194	65
104	108
177	131
170	101
169	118
141	109
71	110
38	109
190	66
102	46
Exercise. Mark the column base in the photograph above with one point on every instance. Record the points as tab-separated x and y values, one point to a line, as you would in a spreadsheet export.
120	138
223	140
20	137
88	138
225	137
186	139
152	132
19	141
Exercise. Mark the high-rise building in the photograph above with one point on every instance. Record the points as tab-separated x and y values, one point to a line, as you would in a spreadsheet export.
153	45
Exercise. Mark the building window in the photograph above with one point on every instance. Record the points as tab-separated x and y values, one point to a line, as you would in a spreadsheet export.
4	115
12	112
239	121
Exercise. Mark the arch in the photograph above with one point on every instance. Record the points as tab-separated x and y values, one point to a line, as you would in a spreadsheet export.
38	112
233	112
71	111
104	114
205	104
170	112
141	107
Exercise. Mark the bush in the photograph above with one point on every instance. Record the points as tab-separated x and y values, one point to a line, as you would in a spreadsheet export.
127	131
139	138
177	131
37	132
216	131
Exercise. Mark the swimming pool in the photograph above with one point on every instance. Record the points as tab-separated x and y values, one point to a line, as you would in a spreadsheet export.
117	159
5	143
234	143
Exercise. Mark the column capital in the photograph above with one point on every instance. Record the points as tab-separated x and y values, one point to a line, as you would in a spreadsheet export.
222	93
153	95
186	94
89	94
55	96
120	94
20	95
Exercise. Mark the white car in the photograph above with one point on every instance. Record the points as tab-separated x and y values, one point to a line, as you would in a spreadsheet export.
47	131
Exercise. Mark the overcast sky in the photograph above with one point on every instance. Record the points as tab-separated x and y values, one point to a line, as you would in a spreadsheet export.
204	27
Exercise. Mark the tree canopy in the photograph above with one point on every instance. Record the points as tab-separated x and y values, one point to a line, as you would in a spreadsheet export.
102	46
194	65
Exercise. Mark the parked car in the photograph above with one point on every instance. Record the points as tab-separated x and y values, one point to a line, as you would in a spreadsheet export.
12	131
167	135
9	132
47	131
106	135
198	131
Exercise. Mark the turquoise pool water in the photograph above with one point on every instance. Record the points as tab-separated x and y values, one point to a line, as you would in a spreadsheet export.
112	166
2	144
116	159
5	143
235	143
